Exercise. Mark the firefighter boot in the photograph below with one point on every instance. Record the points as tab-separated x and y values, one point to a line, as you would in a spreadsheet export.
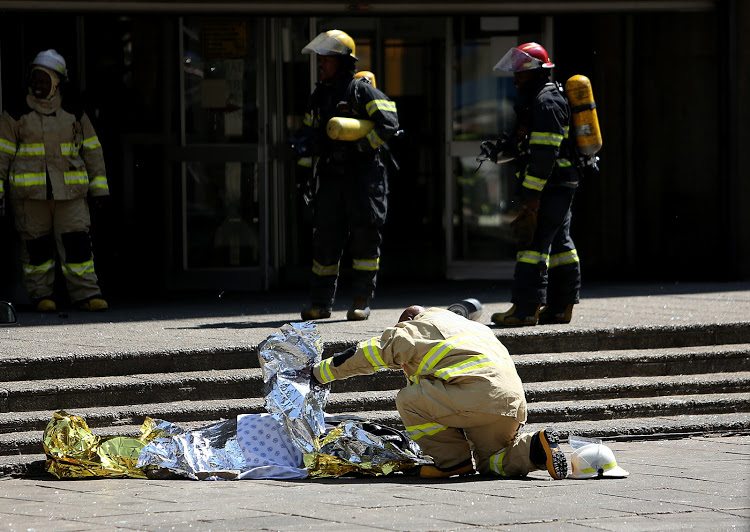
46	305
95	304
430	471
316	311
556	314
519	315
360	310
545	453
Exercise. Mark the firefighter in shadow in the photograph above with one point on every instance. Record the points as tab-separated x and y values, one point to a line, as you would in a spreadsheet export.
51	161
547	275
349	186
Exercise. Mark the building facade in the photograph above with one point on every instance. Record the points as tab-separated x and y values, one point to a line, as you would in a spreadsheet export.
196	104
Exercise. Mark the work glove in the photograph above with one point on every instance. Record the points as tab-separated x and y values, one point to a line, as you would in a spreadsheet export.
524	226
98	204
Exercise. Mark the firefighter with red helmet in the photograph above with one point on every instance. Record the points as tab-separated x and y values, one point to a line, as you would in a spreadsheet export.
547	275
52	162
350	180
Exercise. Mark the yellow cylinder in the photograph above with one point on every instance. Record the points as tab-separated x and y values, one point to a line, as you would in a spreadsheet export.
339	128
585	121
366	74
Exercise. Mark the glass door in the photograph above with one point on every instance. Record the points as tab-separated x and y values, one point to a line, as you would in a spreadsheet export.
222	182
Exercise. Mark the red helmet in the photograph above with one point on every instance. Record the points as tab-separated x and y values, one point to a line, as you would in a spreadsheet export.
529	56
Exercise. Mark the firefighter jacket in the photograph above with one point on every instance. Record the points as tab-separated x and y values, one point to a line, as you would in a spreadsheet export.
49	150
439	345
347	97
543	127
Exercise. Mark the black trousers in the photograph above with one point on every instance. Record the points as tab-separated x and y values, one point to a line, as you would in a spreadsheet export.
350	208
548	270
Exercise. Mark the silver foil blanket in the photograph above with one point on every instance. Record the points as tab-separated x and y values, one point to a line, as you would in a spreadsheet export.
286	360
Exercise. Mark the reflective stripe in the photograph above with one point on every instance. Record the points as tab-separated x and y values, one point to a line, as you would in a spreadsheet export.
306	162
319	269
374	139
2	186
91	143
68	148
604	467
30	269
532	257
99	183
475	362
76	177
79	268
544	138
428	429
28	180
30	149
8	146
496	462
369	265
561	259
308	120
563	163
325	370
534	183
384	106
370	348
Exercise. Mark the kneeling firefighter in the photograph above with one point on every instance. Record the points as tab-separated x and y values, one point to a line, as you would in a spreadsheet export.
52	160
547	275
350	181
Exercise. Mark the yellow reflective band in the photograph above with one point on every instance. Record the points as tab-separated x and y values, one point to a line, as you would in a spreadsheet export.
496	462
372	352
308	120
319	269
532	257
29	180
68	148
384	106
369	265
428	429
563	163
325	370
91	143
561	259
534	183
307	162
30	269
475	362
80	268
8	147
374	139
545	138
2	186
437	353
30	149
76	177
99	183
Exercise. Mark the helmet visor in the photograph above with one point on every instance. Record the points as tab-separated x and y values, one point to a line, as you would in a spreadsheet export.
517	61
325	44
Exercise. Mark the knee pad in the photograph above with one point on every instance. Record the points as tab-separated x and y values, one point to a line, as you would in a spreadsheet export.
77	247
40	249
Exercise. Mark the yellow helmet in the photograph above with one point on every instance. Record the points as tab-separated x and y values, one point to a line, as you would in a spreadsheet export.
331	42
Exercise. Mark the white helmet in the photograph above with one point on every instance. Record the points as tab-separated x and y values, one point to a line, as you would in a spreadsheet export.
595	460
52	60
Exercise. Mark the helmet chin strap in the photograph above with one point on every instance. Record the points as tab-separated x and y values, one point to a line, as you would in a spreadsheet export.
53	77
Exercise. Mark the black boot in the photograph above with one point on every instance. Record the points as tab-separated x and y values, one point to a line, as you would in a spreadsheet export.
545	453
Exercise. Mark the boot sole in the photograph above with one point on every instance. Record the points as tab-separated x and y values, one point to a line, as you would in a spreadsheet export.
557	464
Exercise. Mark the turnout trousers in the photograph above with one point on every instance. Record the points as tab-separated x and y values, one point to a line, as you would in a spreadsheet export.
350	206
548	271
47	227
459	434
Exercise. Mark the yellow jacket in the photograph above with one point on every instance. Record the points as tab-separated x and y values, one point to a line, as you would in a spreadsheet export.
438	344
45	139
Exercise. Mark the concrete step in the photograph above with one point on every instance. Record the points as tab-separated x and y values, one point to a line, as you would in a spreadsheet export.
523	341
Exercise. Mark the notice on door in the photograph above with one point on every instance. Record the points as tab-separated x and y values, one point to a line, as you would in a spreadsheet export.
225	40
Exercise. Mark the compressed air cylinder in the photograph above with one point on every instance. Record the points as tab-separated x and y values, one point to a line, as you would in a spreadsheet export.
339	128
585	121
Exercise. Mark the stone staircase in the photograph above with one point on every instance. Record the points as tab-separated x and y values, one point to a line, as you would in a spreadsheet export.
622	383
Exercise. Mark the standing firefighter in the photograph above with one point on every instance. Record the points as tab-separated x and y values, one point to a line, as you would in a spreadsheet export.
464	403
350	190
50	160
547	267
